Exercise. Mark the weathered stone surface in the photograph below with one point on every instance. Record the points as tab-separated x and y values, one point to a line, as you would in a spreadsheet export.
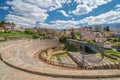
49	52
20	56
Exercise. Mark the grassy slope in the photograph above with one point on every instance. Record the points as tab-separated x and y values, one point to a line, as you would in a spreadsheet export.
111	52
15	34
114	53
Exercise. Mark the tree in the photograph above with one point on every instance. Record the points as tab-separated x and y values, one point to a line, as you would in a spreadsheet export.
77	36
72	34
12	26
106	28
2	22
97	28
28	31
64	31
35	36
90	41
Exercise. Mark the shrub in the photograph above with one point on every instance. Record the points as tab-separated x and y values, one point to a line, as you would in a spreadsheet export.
28	31
35	36
90	41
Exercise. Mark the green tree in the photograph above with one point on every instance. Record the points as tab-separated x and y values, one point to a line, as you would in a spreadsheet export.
90	41
2	23
107	28
117	44
35	36
72	34
77	36
28	31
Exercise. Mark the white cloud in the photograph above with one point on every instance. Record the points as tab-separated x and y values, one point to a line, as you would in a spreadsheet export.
86	6
33	11
61	24
64	13
4	7
105	18
27	11
112	16
109	17
82	9
20	21
48	4
117	6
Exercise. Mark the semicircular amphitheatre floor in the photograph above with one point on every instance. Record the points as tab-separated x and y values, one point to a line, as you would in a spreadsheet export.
18	62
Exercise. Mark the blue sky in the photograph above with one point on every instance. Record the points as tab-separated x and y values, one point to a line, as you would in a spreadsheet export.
60	14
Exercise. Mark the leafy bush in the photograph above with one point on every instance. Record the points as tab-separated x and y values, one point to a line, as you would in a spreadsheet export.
28	31
63	39
90	41
117	44
35	36
111	52
7	31
76	35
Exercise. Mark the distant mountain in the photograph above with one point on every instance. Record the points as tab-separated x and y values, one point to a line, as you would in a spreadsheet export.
112	26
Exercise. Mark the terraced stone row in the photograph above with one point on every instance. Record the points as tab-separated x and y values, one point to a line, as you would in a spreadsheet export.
93	62
19	57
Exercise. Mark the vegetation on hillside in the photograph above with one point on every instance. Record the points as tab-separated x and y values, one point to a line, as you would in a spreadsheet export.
113	53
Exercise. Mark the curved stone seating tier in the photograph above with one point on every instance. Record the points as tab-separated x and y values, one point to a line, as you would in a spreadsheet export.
21	56
92	61
13	44
66	62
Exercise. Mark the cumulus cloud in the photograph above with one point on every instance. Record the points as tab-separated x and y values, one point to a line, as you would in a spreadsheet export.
109	17
33	10
64	13
105	18
86	6
61	24
26	12
19	20
82	9
48	4
4	7
117	6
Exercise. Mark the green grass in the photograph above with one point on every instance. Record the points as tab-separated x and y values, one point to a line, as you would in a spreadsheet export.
110	52
60	55
59	51
112	60
15	34
54	57
113	53
2	40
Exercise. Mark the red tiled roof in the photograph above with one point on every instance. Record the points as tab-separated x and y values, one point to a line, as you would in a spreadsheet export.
88	38
111	32
1	28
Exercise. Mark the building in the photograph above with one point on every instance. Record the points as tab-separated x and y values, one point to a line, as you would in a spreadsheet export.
9	26
100	39
2	29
